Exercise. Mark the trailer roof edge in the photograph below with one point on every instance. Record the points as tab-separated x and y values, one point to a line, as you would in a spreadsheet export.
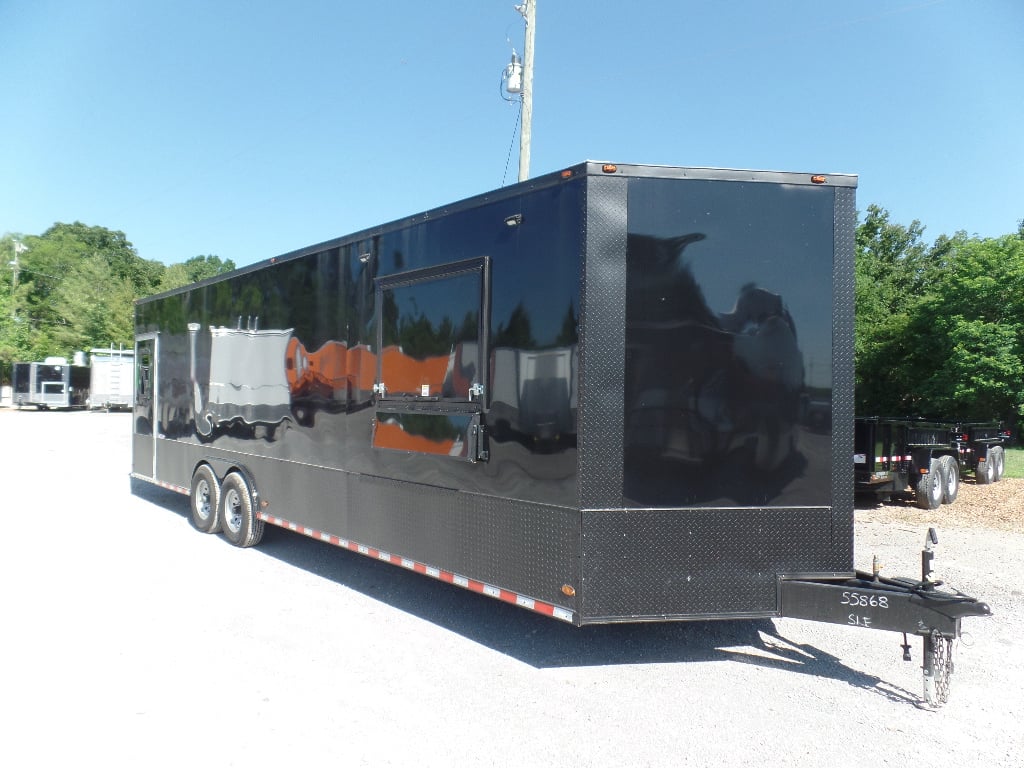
562	175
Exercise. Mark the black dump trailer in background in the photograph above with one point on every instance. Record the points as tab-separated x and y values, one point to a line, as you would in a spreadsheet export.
52	383
925	459
608	394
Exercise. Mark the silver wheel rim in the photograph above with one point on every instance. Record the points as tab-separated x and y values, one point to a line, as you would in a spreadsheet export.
233	507
202	500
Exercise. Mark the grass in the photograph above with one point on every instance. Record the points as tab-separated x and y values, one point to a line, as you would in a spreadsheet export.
1014	462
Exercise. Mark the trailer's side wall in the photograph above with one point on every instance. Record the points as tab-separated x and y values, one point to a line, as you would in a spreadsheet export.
282	361
736	399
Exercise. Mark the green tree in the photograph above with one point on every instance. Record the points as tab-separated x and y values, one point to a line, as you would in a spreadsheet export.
75	289
78	240
974	365
193	270
892	271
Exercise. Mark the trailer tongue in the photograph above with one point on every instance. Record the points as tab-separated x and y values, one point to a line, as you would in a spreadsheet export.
895	604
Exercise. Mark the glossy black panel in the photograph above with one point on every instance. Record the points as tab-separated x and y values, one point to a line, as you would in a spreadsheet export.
281	361
728	344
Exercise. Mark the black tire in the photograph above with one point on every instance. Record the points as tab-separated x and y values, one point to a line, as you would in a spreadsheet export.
999	458
238	519
985	471
204	500
950	479
928	491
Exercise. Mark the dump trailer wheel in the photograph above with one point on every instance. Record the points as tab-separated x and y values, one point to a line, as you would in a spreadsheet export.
929	488
238	519
985	471
999	459
950	479
204	500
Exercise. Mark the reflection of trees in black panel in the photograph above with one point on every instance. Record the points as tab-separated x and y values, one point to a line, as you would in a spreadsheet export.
416	316
569	334
389	319
431	426
418	337
517	332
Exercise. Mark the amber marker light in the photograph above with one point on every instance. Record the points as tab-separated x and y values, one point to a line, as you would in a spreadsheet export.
818	179
609	168
568	590
567	174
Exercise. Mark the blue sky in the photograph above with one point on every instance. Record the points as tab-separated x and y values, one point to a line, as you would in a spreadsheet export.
250	129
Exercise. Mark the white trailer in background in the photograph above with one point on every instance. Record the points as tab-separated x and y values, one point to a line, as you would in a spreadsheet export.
111	385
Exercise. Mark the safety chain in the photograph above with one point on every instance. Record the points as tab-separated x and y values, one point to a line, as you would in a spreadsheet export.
937	693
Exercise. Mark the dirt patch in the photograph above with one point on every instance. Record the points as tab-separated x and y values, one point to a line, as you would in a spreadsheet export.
999	505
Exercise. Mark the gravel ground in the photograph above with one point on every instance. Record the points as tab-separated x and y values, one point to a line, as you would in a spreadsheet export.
999	506
129	639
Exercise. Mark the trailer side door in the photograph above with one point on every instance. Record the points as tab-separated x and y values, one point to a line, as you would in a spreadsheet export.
146	408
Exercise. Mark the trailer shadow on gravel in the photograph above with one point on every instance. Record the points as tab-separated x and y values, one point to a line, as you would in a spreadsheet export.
540	641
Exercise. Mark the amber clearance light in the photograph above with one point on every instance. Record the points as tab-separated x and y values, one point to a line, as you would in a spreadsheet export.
609	168
818	179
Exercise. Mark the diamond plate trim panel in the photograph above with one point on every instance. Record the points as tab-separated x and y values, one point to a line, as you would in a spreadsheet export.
843	368
520	546
646	564
602	344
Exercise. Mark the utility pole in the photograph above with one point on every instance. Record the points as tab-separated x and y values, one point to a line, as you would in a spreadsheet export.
19	247
529	11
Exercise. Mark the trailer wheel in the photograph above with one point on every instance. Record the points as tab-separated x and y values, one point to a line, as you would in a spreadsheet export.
239	522
928	491
985	470
950	479
999	463
205	500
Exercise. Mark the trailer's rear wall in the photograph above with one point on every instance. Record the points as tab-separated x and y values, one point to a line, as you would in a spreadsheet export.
735	407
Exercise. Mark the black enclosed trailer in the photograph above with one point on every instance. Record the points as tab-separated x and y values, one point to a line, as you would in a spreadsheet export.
609	394
52	383
925	459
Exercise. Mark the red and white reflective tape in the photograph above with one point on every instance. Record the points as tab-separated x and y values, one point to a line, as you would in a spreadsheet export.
483	588
894	458
162	484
